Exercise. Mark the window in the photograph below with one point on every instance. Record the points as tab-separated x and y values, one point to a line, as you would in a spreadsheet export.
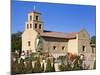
39	26
27	26
37	17
29	43
35	25
63	48
83	48
30	17
54	47
30	25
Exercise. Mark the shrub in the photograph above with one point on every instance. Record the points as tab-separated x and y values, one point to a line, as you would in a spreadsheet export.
37	67
14	67
21	67
77	64
29	67
68	67
62	67
48	66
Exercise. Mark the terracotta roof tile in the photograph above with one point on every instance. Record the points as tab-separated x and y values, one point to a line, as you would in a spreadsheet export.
59	34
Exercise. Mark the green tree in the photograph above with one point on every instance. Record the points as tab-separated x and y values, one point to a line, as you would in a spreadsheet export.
16	41
48	66
93	40
37	67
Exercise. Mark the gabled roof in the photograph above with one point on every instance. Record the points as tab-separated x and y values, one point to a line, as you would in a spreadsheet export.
59	35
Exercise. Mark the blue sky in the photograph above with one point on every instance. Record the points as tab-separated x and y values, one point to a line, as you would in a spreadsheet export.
56	17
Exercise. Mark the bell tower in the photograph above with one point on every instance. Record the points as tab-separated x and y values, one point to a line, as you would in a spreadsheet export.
33	26
34	22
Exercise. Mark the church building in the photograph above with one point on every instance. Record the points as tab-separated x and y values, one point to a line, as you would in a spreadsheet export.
36	39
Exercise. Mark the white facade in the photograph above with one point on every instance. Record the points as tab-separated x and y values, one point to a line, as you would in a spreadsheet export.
27	37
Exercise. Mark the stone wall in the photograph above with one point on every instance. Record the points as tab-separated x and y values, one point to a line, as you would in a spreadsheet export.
61	46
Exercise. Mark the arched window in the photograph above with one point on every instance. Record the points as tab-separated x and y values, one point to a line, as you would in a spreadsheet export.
37	18
35	25
29	43
63	47
39	26
30	18
30	25
83	48
54	47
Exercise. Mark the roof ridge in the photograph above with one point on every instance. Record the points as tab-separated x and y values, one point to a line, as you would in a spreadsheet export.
59	34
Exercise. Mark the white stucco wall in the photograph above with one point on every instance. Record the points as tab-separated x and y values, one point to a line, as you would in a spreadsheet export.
29	35
73	46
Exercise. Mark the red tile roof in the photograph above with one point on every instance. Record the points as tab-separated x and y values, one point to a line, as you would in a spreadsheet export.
59	34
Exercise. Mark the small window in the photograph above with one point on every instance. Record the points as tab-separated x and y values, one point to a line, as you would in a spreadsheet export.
54	47
37	17
63	48
35	25
27	26
30	25
39	26
29	43
83	48
30	17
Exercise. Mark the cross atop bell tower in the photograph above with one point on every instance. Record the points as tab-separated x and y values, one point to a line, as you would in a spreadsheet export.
34	7
34	21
